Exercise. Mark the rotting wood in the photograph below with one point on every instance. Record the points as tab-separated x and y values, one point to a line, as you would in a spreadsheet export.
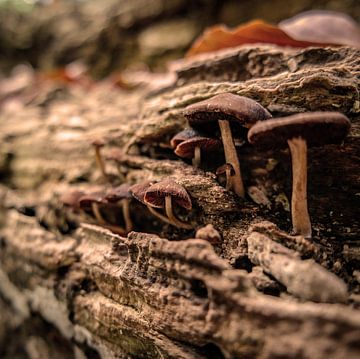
183	298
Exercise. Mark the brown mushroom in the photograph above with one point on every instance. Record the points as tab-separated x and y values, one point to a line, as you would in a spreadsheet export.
298	132
166	193
193	148
122	195
92	202
98	144
138	192
228	170
229	112
71	199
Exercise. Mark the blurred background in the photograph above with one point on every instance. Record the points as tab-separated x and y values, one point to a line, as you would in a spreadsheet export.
114	35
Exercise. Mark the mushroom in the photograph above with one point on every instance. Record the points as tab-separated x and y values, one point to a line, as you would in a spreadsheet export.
230	112
122	195
92	202
71	199
228	170
138	191
298	132
98	144
193	147
166	193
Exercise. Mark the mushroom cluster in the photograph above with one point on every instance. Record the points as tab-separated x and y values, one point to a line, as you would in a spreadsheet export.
215	124
229	116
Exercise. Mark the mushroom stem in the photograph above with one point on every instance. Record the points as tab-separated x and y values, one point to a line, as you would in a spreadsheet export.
100	162
236	183
158	215
299	209
196	161
228	177
125	204
175	221
96	210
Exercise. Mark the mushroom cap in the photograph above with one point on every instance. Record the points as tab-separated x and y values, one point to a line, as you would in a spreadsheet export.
138	190
238	110
98	142
115	194
186	148
155	194
222	169
183	135
96	197
317	128
71	198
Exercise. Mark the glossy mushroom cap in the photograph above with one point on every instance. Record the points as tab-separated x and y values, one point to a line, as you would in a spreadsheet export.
118	193
186	148
138	190
317	128
155	194
96	197
183	135
227	106
328	27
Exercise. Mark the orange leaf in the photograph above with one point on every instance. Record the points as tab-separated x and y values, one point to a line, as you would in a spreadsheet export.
257	31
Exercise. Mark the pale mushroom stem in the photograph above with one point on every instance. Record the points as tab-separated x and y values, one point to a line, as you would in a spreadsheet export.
196	161
100	162
231	157
158	215
125	204
96	210
170	214
299	209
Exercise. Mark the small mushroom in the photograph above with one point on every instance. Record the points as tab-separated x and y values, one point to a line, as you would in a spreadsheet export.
122	195
92	202
165	194
229	112
138	192
182	136
228	170
98	144
298	132
193	148
71	199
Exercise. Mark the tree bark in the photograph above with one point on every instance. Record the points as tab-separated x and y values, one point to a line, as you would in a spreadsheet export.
70	287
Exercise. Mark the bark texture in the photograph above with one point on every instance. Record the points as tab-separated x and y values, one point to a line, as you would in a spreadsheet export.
72	287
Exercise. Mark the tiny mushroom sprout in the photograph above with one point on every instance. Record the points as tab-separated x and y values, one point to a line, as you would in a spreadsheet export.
98	144
165	194
138	192
121	195
298	132
230	113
